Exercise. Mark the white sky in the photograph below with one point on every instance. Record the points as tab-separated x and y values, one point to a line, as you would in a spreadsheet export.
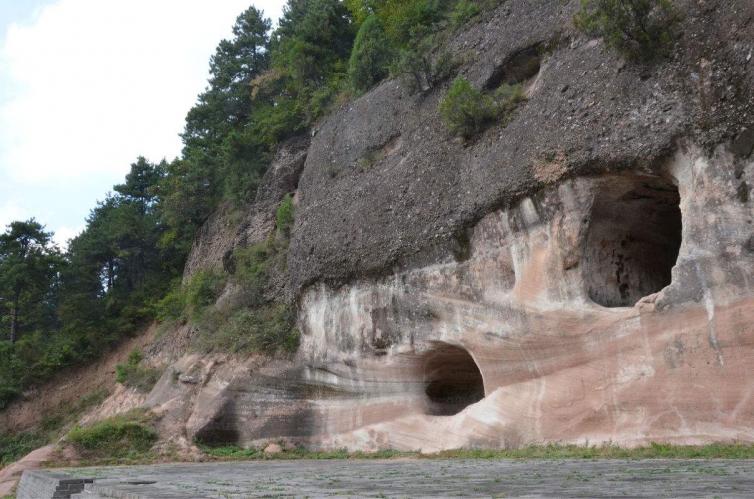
86	86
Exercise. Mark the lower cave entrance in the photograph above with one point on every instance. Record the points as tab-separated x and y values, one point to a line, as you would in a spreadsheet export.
633	240
453	380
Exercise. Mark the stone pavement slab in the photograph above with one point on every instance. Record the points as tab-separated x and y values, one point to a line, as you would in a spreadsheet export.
423	478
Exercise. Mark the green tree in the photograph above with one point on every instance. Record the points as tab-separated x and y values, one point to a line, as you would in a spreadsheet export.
371	55
227	100
638	29
310	50
29	267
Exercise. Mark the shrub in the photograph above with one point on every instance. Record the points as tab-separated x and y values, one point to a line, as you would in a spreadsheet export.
172	305
406	21
14	446
638	29
371	56
284	216
189	300
266	329
203	290
251	271
124	436
463	12
134	375
467	111
420	70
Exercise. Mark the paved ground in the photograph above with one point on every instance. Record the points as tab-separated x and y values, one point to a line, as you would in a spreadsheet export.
428	478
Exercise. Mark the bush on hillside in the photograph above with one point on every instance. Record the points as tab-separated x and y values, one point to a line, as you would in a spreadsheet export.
268	329
134	375
463	12
284	216
422	71
125	436
638	29
407	21
188	301
371	55
467	111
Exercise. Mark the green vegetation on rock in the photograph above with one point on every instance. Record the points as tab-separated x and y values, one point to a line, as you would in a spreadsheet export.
130	435
467	111
14	445
135	375
638	29
284	216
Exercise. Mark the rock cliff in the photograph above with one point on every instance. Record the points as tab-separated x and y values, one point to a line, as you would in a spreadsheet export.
583	273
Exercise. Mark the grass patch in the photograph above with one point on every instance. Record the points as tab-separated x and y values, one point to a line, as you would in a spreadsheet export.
254	322
267	329
127	436
134	375
554	451
652	451
14	446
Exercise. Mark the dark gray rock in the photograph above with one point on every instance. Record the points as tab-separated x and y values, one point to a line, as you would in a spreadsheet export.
744	143
386	187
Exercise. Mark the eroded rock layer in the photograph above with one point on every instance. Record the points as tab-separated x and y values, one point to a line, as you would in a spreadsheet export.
586	322
613	308
581	272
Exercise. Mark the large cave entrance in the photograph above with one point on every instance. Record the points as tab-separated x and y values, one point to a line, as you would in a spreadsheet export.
453	380
633	240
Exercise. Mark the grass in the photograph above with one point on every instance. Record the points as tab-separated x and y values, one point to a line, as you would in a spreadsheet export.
127	436
134	375
119	443
553	451
14	446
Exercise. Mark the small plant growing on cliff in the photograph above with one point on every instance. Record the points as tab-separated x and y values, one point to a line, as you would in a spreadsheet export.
467	111
420	70
134	375
189	300
638	29
463	12
268	329
284	216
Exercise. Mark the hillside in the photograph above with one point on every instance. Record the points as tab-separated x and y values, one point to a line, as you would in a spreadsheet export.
516	229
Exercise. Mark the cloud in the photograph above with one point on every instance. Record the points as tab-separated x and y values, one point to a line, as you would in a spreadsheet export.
65	234
94	83
10	211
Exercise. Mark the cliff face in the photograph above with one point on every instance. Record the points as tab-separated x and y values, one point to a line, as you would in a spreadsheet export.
583	273
588	113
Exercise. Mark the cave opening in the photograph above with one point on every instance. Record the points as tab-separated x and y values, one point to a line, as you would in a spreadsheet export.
520	67
633	240
452	380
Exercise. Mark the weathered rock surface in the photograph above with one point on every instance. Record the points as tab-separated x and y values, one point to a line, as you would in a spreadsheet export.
229	228
584	274
588	112
609	308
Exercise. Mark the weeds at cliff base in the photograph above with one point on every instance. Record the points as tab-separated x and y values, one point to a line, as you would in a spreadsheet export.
15	445
547	452
130	435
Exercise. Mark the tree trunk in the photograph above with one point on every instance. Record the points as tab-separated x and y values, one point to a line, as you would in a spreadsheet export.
14	318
